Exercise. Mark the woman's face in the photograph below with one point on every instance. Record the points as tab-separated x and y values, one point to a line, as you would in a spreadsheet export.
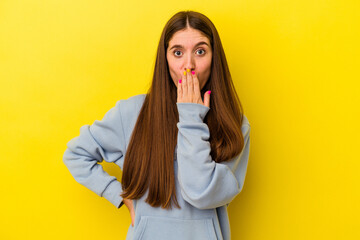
189	48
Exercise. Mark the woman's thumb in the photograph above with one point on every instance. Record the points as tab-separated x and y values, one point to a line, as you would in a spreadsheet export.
207	98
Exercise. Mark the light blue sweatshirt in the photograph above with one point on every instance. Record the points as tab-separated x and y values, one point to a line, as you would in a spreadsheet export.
204	188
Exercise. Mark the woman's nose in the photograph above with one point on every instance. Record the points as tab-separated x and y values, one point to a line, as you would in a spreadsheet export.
189	63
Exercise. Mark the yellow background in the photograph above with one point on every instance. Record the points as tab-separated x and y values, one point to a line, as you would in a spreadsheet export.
295	64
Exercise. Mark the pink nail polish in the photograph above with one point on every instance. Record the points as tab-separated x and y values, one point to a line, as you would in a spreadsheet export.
209	92
193	72
180	81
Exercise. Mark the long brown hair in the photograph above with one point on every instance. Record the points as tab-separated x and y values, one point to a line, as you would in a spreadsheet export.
149	159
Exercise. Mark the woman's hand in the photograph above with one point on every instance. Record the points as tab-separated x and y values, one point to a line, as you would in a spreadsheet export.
188	90
130	206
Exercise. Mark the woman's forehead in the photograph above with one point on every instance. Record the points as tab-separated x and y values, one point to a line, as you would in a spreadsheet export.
188	38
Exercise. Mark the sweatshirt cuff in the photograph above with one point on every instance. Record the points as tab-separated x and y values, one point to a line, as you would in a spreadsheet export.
191	112
112	193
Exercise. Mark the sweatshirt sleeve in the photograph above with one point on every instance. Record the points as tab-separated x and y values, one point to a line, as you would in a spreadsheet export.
204	183
103	140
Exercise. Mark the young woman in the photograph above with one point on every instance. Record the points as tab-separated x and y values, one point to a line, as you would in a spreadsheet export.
183	154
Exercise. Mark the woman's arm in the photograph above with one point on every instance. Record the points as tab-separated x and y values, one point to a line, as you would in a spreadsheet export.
103	140
204	183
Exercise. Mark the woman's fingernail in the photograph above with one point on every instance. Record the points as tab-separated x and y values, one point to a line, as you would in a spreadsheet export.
209	92
193	72
188	69
184	73
180	81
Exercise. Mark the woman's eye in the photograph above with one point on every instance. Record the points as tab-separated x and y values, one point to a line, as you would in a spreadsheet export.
176	52
201	50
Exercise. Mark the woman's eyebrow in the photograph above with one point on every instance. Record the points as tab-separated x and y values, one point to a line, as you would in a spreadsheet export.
180	46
